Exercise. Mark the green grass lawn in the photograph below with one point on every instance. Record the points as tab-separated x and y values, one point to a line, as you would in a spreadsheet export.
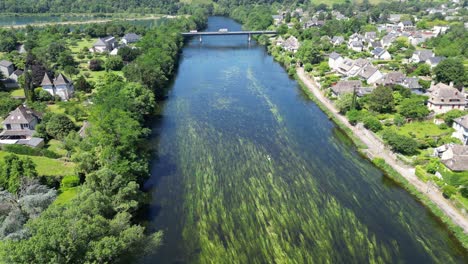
66	196
55	108
48	167
57	147
80	44
423	129
17	92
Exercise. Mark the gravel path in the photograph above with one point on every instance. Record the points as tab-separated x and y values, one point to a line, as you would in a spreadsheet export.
377	149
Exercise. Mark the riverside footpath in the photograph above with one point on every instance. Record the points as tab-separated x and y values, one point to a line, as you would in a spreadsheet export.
376	149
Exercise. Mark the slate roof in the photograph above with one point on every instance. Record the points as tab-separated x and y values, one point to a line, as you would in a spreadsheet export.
378	51
61	80
5	63
443	94
46	80
334	55
343	87
424	55
435	60
407	23
22	115
412	83
459	160
462	121
368	71
131	37
392	78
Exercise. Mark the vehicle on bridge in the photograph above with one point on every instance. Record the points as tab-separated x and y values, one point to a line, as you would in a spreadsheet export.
223	30
193	31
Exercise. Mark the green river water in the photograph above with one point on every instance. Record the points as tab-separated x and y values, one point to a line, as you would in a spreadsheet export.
248	170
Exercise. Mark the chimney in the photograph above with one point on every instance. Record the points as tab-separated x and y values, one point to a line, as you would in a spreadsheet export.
451	84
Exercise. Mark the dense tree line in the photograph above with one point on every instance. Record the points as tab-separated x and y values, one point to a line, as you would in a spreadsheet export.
98	225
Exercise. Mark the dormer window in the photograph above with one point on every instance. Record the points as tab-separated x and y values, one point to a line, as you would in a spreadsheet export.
8	126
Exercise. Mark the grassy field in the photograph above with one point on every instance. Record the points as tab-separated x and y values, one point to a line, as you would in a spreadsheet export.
17	92
56	146
48	167
78	46
65	196
424	129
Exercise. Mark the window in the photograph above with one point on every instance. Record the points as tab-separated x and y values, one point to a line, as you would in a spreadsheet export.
8	126
23	126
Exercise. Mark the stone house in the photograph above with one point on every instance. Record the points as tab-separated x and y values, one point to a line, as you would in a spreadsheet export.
60	86
104	44
6	68
370	73
443	98
18	127
461	129
406	25
344	87
291	44
434	61
334	59
337	40
381	54
392	78
454	157
356	46
421	56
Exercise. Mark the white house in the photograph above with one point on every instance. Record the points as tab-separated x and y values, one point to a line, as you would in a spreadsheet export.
334	59
370	73
461	129
104	44
60	86
406	25
443	98
381	54
421	56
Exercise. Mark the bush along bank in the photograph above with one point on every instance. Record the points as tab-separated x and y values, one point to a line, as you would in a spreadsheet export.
98	225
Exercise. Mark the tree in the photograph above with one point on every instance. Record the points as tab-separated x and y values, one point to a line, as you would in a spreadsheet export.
309	53
400	143
42	95
422	70
81	84
451	115
95	65
413	107
58	125
451	70
128	54
13	169
114	63
398	120
71	70
7	104
372	123
345	102
381	99
17	209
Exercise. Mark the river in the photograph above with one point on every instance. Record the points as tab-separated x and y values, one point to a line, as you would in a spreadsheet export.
248	170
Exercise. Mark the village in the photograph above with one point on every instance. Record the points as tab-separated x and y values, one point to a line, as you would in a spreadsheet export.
395	78
44	105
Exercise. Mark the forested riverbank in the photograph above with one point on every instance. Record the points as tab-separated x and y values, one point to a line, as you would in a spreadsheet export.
112	162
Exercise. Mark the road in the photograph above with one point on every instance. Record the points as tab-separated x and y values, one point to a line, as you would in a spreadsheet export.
377	149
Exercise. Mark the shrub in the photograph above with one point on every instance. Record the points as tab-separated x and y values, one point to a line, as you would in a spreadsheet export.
70	181
372	123
308	67
443	126
25	150
400	143
354	116
114	63
448	191
95	65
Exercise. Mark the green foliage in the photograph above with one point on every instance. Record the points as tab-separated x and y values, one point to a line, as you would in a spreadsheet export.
81	84
114	63
13	169
448	191
451	70
451	44
398	120
381	100
57	125
25	150
372	123
354	116
128	54
423	69
69	181
400	143
7	104
42	95
95	65
453	114
345	102
309	53
413	107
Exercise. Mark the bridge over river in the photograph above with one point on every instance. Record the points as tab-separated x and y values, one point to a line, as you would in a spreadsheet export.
227	33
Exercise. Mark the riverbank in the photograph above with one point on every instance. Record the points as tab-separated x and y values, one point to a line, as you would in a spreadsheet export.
95	21
427	194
